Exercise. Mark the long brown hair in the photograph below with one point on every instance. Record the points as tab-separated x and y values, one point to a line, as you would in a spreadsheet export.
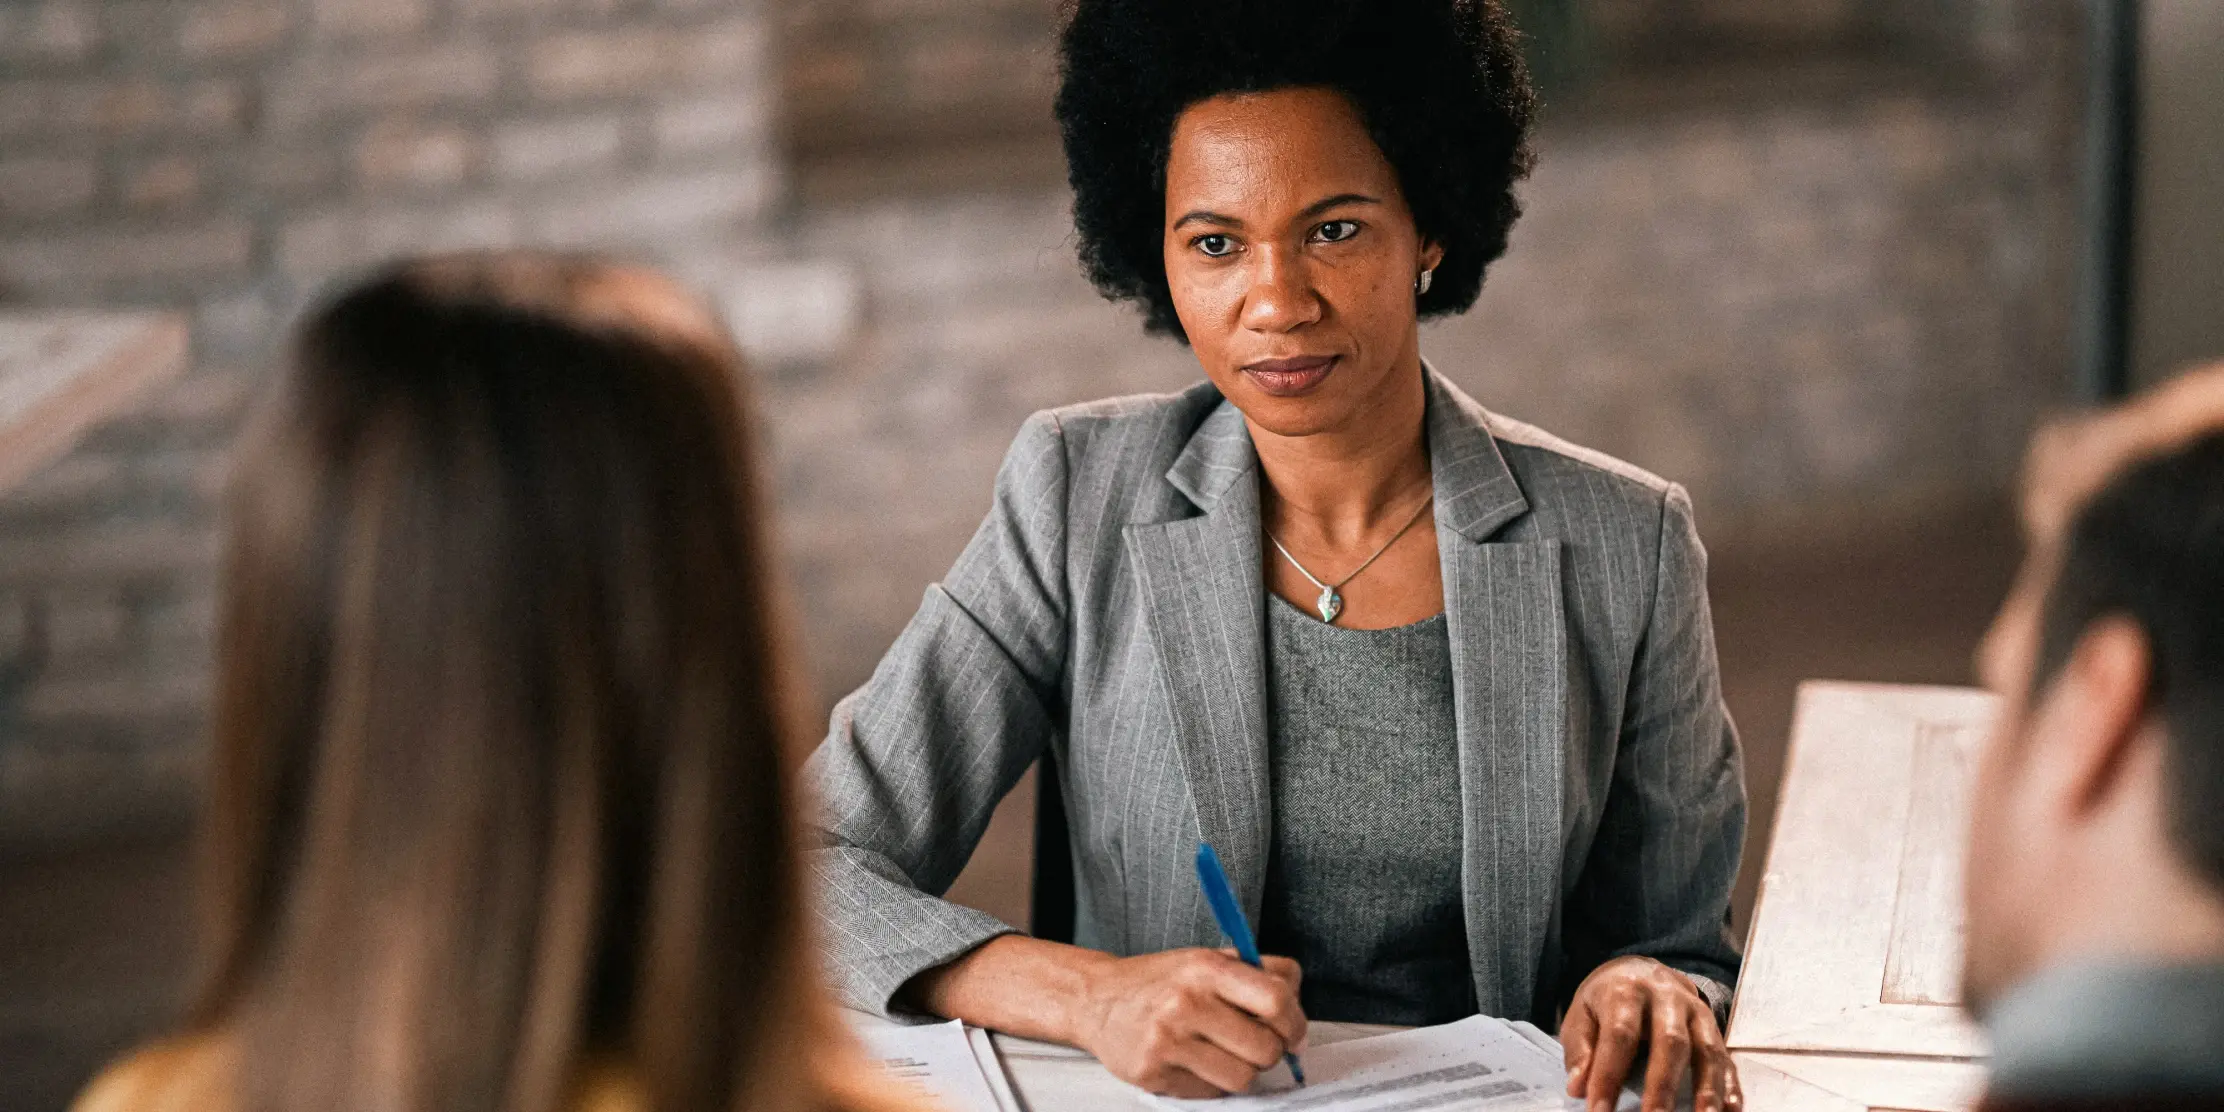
503	718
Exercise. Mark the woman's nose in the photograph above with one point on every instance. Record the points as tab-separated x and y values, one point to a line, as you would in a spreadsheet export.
1281	296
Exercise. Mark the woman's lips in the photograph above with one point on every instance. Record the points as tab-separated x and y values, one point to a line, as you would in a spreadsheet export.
1288	378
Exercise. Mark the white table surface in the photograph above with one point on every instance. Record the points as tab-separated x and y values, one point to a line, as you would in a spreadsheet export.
1806	1082
1053	1078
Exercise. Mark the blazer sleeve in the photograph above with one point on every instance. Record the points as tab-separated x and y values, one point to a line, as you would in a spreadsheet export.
916	760
1666	854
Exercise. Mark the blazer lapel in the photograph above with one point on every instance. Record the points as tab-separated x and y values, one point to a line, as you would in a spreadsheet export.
1504	616
1205	608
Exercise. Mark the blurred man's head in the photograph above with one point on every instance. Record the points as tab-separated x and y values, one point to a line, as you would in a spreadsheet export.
2098	826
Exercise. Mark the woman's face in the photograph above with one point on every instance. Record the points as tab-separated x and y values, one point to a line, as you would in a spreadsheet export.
1292	257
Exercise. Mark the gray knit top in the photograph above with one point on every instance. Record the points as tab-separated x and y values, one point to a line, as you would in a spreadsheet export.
1363	881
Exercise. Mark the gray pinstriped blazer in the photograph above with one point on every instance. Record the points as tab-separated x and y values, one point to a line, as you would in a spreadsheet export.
1112	607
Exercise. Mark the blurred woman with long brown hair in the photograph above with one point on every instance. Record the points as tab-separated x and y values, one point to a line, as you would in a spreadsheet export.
499	814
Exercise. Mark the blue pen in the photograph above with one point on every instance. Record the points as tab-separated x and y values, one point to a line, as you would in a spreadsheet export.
1214	880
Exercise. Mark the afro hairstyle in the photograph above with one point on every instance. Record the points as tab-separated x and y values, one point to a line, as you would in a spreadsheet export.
1440	84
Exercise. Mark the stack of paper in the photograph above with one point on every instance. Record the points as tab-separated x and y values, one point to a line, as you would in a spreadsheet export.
1478	1062
948	1064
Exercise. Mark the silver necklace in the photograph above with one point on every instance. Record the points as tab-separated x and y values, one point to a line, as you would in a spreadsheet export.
1331	603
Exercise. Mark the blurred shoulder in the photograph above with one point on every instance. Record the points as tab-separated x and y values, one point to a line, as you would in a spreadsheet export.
610	1084
194	1073
185	1073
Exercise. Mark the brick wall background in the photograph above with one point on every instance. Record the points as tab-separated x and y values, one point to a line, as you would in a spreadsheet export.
875	74
1806	258
228	157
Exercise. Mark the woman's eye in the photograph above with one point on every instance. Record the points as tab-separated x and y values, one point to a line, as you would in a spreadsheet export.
1337	231
1217	246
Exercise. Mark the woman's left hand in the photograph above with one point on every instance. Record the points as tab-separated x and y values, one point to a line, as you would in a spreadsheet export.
1634	1003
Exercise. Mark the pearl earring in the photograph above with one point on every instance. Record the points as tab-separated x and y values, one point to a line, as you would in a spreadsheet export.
1421	284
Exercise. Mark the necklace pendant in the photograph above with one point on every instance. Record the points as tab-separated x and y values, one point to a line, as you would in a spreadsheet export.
1331	604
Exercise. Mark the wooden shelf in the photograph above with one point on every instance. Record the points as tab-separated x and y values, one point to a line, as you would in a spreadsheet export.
1850	996
62	371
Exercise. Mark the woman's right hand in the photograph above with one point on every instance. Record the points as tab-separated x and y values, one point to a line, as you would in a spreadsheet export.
1190	1023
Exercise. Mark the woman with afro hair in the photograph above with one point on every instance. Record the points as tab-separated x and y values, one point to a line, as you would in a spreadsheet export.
1439	688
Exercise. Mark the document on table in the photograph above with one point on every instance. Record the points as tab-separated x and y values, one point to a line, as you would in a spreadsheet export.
1478	1062
942	1063
992	1068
